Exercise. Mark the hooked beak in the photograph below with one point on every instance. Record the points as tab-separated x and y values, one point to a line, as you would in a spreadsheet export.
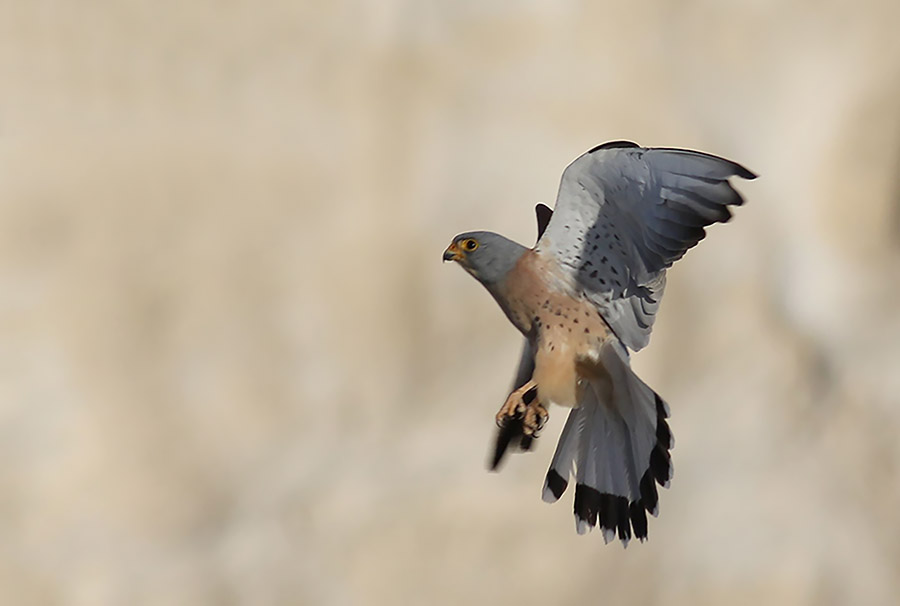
452	253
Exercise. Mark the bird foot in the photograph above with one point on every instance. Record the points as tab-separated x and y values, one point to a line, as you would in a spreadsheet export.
523	406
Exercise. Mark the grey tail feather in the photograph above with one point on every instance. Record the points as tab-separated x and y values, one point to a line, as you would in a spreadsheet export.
616	443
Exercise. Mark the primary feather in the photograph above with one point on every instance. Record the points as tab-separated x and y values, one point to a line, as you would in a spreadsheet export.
624	214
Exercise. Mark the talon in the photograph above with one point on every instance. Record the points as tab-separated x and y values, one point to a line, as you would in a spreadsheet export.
522	405
535	417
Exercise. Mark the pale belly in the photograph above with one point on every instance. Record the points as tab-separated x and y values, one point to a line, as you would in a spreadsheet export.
568	350
567	330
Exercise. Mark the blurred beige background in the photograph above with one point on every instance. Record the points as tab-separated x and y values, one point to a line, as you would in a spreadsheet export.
233	369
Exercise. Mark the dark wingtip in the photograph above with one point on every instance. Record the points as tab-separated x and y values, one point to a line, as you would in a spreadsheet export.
613	145
544	214
505	435
510	434
744	173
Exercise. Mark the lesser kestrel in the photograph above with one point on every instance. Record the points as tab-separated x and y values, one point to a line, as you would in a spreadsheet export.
585	295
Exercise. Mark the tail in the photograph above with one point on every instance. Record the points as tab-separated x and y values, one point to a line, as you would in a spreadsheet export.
616	443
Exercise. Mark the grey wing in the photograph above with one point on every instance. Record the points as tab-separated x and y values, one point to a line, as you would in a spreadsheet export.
624	214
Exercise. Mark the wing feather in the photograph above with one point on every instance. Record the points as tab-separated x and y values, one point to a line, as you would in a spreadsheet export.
625	213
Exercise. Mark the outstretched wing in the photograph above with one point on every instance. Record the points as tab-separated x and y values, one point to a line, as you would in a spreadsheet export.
624	214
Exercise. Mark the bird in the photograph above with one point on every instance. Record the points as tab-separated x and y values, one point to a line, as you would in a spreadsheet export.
584	297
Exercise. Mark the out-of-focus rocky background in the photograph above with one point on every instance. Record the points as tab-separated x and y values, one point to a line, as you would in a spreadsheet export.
234	371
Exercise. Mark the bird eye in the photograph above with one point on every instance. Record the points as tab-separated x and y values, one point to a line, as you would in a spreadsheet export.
470	244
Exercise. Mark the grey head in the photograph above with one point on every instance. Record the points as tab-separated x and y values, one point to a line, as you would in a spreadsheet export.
489	257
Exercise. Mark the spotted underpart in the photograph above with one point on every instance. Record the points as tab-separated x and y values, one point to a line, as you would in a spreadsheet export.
625	214
565	329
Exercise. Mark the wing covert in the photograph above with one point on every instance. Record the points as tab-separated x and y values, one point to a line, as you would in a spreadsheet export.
624	214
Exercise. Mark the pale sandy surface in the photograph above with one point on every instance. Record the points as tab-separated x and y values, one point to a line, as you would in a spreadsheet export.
234	371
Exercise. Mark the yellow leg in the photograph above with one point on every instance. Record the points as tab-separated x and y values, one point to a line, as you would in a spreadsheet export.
523	405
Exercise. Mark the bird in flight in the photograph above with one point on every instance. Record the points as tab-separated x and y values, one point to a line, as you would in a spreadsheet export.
585	295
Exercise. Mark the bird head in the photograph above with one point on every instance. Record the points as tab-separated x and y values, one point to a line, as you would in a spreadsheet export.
485	255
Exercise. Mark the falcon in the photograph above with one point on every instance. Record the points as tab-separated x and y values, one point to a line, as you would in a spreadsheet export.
583	297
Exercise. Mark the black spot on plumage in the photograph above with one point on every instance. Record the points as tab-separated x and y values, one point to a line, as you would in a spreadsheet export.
594	274
587	331
556	483
613	269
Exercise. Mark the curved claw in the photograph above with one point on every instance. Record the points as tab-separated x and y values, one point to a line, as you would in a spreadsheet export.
523	406
535	418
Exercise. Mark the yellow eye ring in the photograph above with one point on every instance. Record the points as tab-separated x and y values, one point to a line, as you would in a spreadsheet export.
469	245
